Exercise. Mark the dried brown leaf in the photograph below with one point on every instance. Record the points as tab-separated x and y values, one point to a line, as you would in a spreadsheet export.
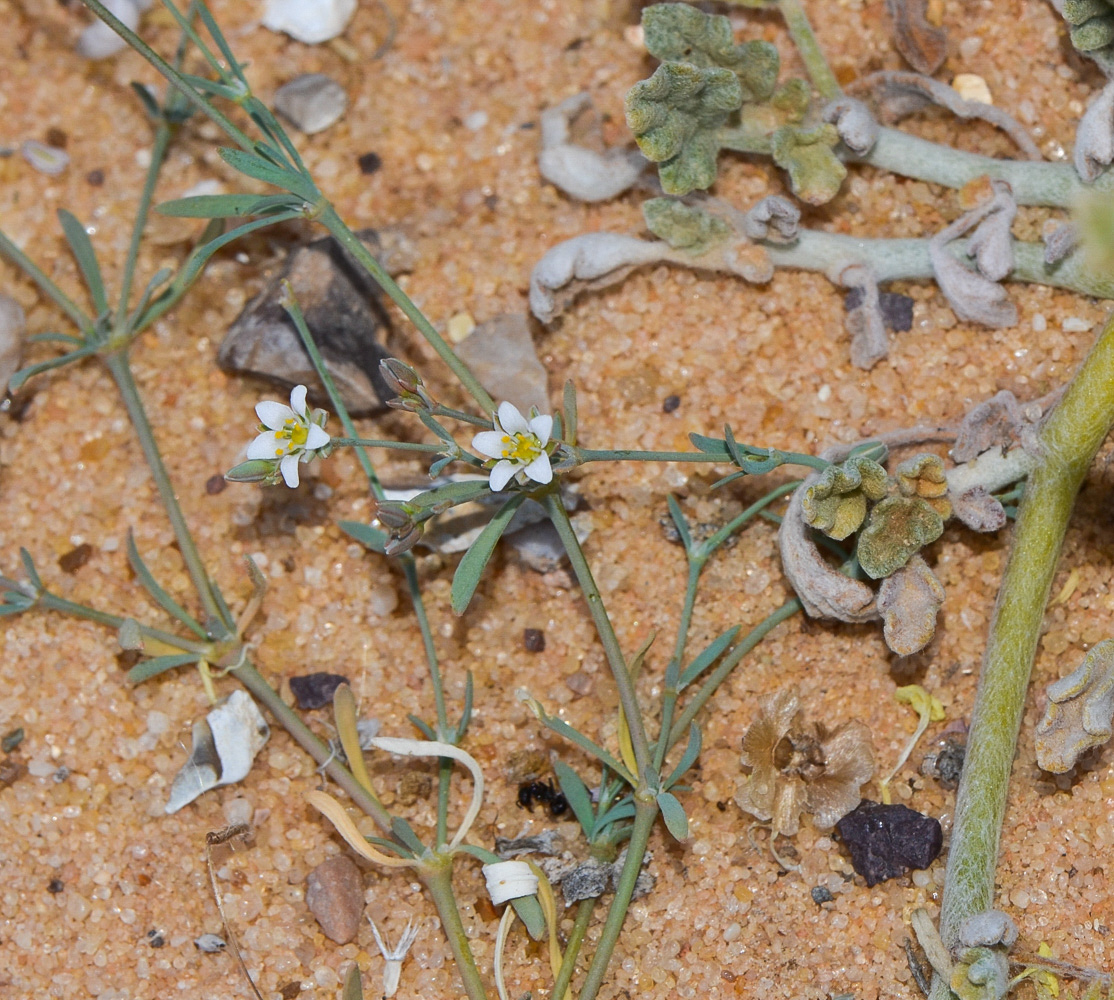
924	46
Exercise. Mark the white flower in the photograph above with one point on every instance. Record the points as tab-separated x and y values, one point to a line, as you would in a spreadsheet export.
393	957
519	446
509	880
289	434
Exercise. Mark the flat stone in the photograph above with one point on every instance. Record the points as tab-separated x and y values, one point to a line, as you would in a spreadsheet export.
343	312
311	102
501	354
315	690
335	897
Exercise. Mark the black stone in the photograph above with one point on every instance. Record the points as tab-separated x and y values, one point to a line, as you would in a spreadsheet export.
533	639
821	894
77	557
670	403
885	841
55	886
155	939
897	310
315	690
369	163
215	484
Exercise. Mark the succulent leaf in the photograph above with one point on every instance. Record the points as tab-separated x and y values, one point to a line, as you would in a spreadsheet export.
898	528
684	227
815	172
836	503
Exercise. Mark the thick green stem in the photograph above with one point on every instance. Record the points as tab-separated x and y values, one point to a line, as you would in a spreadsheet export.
333	222
1069	440
437	877
645	812
117	363
819	72
584	910
614	652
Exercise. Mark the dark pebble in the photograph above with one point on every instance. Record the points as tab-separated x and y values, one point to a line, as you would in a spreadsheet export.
897	310
12	740
55	886
670	403
95	178
155	939
288	991
315	690
215	484
533	639
886	841
128	658
56	137
77	557
369	163
949	762
821	894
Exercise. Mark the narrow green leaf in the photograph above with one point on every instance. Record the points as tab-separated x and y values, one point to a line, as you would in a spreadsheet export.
159	664
226	206
61	338
529	911
468	573
728	479
147	99
708	656
29	569
480	853
577	794
391	846
259	168
160	277
9	250
17	606
405	832
623	809
676	822
688	758
353	990
562	728
570	412
165	601
710	446
217	35
466	713
365	534
24	374
82	249
423	727
679	520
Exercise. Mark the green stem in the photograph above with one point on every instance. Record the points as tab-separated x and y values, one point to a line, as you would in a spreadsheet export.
721	536
117	364
1069	440
819	72
645	812
584	910
585	455
46	285
357	442
673	671
680	728
437	878
333	222
614	652
253	680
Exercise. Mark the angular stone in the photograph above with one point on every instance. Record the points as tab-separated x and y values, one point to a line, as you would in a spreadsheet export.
311	102
335	897
501	354
344	314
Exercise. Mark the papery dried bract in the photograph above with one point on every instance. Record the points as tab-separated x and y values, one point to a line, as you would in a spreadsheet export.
923	45
909	600
998	422
1060	242
1094	139
854	122
991	244
1079	712
773	218
865	322
977	509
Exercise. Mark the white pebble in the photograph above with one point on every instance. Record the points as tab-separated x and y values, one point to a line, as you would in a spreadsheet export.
99	41
309	21
1073	324
1038	323
45	159
41	768
12	323
824	393
238	810
311	102
157	722
970	46
475	121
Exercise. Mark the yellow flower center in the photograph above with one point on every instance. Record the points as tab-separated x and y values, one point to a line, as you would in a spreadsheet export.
521	449
296	434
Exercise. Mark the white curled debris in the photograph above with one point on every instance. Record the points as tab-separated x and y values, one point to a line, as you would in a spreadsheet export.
98	40
594	260
225	743
1094	139
976	296
999	422
12	325
899	94
774	218
309	21
578	171
1080	711
869	343
49	160
854	122
1060	242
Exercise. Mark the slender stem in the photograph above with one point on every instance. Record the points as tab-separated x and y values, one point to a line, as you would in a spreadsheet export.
52	602
1069	440
721	536
645	812
585	455
584	910
437	878
819	72
468	418
117	363
673	672
333	222
727	664
163	135
614	652
253	680
357	442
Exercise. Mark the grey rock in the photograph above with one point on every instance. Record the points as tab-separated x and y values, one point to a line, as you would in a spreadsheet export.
12	323
587	880
501	354
311	102
344	314
335	897
538	546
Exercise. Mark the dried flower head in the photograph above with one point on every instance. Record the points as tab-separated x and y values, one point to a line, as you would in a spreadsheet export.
798	766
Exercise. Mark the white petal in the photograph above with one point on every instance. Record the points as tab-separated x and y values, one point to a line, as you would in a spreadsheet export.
289	469
540	470
489	443
512	420
317	438
266	445
542	426
502	474
298	400
274	415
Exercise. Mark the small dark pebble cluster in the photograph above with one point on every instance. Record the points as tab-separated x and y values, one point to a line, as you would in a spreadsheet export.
886	841
821	894
315	690
897	310
155	938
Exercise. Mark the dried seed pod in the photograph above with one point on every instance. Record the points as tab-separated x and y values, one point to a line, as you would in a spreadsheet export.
865	321
924	46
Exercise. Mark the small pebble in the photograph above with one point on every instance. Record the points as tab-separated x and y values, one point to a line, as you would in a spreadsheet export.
49	160
501	353
580	683
670	403
12	323
534	640
55	886
95	178
98	40
821	894
11	740
311	102
369	163
972	87
1038	323
77	557
315	690
209	943
215	484
1073	324
475	121
309	21
335	896
238	811
155	938
56	137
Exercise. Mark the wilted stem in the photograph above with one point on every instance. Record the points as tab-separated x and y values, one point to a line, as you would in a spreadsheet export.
1069	440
